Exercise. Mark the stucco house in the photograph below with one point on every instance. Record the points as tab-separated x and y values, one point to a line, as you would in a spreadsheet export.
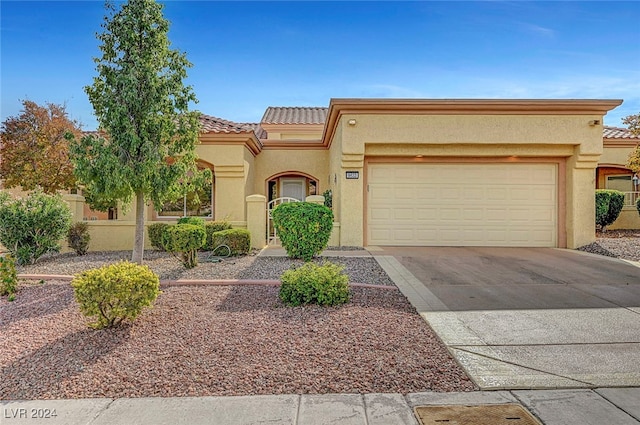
460	172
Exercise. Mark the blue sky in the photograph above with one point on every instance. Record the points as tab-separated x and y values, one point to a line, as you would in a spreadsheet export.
250	55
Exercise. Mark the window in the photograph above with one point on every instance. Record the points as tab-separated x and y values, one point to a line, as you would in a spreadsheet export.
198	203
621	182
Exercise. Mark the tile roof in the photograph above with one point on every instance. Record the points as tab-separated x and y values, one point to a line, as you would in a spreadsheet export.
259	131
294	115
618	133
212	124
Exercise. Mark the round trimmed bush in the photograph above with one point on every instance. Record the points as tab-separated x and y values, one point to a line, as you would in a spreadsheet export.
8	276
196	221
115	293
609	204
155	231
185	239
304	228
238	240
212	227
324	284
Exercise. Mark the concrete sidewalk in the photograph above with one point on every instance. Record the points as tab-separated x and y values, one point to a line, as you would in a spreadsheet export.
552	407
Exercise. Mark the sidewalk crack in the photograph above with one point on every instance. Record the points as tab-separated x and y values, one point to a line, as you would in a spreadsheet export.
486	356
101	411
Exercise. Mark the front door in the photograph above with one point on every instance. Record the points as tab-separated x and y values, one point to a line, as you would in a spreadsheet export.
293	187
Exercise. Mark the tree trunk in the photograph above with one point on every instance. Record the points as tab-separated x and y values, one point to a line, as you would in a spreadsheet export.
138	244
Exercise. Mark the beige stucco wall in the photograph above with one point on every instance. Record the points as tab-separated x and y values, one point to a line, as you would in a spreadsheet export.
628	219
232	169
616	155
470	136
270	162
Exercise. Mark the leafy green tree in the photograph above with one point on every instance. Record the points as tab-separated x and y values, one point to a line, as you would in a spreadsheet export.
142	104
633	123
34	149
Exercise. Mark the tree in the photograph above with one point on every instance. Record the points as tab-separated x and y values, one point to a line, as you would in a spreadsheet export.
633	123
142	104
34	149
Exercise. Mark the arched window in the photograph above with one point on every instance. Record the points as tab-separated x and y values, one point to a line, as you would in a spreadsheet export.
198	203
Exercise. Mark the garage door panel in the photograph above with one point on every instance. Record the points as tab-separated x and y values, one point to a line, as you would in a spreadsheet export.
406	214
380	214
491	204
540	195
381	193
427	213
473	214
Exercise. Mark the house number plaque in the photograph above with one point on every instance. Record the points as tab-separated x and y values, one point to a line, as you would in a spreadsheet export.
352	175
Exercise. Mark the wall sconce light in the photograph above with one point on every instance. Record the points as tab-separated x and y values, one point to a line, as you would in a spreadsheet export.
352	122
594	122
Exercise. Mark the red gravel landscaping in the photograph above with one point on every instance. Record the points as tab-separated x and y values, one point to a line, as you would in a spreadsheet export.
220	340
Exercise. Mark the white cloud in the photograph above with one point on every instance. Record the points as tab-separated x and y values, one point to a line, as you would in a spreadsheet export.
538	30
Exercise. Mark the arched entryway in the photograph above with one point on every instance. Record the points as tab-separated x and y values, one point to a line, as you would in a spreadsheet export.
618	177
291	184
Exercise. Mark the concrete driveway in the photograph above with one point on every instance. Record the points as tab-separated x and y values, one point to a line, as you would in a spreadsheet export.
527	317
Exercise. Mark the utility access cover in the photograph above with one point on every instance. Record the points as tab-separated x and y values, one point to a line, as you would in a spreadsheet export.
488	414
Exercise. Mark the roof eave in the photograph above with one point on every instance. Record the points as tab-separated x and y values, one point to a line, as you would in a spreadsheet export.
338	107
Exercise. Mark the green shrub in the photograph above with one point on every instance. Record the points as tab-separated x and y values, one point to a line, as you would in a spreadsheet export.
186	240
238	240
78	237
328	198
609	204
33	226
8	276
638	205
324	284
303	228
196	221
115	293
155	231
213	227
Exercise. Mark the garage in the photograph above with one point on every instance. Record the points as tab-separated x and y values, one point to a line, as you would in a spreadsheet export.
462	204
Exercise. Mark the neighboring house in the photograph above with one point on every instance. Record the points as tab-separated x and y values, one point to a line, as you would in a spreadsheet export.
613	174
461	172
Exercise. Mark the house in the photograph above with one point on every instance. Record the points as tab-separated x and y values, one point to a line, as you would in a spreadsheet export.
463	172
613	174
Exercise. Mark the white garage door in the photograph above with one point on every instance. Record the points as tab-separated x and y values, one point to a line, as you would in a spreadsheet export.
462	204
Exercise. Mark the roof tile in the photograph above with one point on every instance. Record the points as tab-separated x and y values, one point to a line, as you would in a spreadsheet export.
212	124
294	115
618	133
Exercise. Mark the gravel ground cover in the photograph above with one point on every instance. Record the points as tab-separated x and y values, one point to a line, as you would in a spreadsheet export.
219	340
162	263
616	243
359	269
